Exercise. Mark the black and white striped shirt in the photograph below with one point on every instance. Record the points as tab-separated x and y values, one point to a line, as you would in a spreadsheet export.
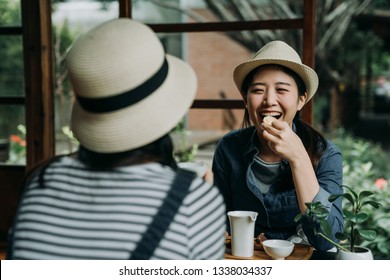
79	213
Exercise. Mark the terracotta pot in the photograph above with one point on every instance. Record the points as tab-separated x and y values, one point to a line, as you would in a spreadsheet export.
361	253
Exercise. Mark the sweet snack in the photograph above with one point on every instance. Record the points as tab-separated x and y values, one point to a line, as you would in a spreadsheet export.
269	120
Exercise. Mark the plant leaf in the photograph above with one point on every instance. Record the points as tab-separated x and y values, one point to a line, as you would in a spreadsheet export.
361	217
341	236
372	203
364	194
348	215
325	227
321	213
352	193
333	197
298	217
367	234
349	197
355	218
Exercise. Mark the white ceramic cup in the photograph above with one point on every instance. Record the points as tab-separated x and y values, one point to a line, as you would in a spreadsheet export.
242	229
278	249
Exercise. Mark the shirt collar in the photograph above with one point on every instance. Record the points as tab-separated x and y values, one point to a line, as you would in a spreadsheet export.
250	144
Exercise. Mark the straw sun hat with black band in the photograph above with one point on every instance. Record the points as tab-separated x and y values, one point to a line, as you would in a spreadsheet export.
128	91
278	52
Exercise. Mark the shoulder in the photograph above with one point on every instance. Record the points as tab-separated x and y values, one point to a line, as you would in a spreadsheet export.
331	148
41	168
237	137
331	157
201	188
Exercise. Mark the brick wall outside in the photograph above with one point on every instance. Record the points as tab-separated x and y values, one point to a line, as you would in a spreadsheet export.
213	55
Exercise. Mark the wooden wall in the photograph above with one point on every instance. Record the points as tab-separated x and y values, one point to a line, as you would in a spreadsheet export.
10	189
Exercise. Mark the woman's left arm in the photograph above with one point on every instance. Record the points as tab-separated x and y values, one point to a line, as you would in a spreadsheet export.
329	173
311	185
284	142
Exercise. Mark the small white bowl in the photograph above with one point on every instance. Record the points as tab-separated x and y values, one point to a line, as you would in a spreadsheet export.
278	249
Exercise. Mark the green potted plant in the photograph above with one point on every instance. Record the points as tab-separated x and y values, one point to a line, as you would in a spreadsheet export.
354	216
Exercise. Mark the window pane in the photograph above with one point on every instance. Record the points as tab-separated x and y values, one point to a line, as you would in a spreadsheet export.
83	15
70	19
12	134
179	11
11	66
10	13
158	11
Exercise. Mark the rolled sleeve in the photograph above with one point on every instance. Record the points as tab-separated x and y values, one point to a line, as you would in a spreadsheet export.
322	196
329	175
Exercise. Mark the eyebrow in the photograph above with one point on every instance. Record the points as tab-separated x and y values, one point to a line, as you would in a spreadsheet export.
263	84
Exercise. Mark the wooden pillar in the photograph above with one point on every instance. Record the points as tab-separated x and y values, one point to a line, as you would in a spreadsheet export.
125	8
309	43
38	75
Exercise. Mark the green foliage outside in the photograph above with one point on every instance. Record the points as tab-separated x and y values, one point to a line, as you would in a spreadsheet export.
11	69
366	167
184	151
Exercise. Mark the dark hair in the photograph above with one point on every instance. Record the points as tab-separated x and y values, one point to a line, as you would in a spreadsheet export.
160	151
315	144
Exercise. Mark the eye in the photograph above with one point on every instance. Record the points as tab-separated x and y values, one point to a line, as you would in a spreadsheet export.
256	90
282	89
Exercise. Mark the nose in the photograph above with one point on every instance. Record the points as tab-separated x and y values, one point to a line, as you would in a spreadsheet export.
270	98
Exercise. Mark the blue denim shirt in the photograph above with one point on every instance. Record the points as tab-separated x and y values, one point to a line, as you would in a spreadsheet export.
233	158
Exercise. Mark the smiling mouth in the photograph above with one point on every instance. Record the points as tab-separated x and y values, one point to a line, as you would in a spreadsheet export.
274	115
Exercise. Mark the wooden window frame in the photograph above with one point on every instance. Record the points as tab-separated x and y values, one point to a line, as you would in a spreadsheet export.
36	32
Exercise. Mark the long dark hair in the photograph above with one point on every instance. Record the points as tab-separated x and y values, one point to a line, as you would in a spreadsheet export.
160	150
315	144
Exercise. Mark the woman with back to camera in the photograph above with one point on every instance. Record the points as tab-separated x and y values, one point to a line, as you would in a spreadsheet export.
121	195
276	163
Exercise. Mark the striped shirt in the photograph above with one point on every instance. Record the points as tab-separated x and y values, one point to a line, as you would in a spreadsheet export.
81	213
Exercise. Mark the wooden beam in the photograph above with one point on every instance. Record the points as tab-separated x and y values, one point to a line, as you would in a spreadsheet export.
217	104
12	100
228	26
38	75
11	30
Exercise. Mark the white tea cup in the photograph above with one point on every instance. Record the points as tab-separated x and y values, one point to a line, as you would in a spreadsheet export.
242	229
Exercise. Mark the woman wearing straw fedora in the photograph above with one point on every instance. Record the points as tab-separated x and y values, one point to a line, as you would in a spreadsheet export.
121	195
277	162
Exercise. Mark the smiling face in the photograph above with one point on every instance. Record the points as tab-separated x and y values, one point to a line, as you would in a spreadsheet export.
272	92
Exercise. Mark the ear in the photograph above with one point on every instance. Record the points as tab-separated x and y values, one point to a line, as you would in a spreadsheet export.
302	101
243	95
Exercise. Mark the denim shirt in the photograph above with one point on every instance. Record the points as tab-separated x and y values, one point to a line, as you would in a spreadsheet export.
233	158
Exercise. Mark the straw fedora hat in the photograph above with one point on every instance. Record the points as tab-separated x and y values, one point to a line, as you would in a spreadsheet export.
278	52
128	91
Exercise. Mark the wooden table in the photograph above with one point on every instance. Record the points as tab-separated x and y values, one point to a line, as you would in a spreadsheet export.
300	252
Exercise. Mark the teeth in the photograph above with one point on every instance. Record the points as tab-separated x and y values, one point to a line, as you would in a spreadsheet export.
271	115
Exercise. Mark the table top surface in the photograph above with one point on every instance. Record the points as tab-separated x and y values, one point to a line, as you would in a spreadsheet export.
300	252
